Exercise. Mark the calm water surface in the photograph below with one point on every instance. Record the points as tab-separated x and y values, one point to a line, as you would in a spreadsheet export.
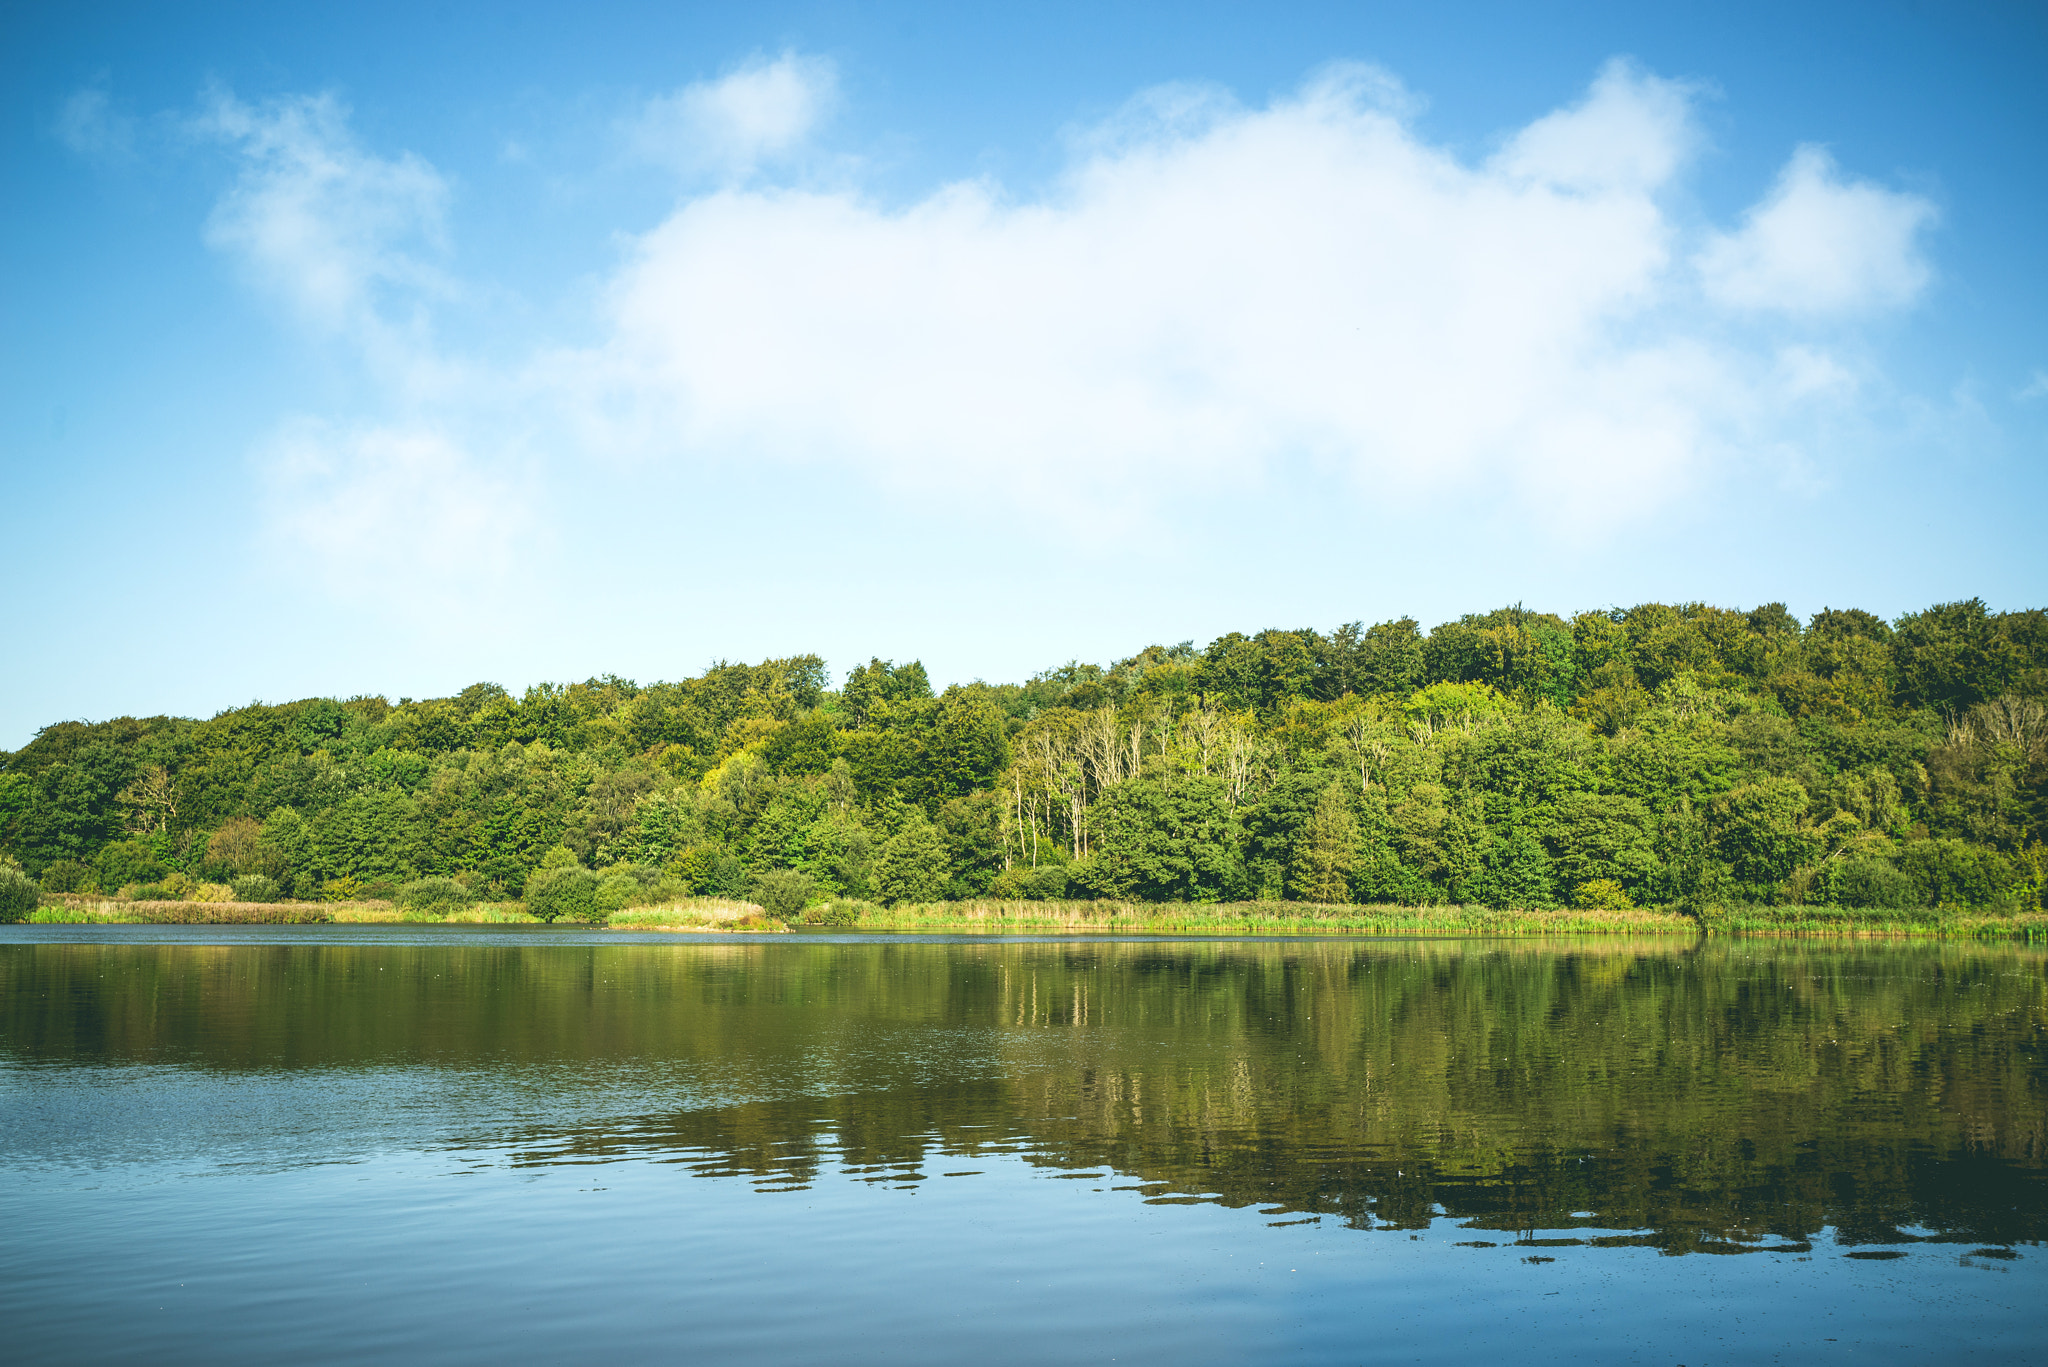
249	1144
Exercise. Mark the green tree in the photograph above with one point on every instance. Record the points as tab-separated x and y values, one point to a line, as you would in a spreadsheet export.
1391	658
911	865
127	861
1757	833
1602	837
286	844
1953	655
1326	850
803	747
1957	873
882	681
1164	845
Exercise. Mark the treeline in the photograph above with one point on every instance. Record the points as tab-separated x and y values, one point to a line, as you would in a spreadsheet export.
1655	755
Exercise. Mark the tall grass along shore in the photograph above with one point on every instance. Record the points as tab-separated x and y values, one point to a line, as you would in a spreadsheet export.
986	916
689	913
1308	918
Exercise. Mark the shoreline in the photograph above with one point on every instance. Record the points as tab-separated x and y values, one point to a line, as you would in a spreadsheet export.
1052	918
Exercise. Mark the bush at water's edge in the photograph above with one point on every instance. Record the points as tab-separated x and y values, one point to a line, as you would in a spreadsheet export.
19	894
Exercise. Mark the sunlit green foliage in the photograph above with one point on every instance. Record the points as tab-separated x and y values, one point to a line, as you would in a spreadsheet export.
1663	754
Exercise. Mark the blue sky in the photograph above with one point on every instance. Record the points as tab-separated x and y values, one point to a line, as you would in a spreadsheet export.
390	348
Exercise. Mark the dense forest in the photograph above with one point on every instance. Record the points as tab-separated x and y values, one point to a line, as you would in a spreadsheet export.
1654	755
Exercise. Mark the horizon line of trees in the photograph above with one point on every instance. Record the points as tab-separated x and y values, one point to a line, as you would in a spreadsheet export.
1655	755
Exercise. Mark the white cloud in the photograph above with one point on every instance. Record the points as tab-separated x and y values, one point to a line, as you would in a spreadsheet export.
1821	244
1211	299
1631	130
760	112
1233	290
339	233
2035	388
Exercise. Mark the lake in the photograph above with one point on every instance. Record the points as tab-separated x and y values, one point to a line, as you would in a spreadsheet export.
478	1144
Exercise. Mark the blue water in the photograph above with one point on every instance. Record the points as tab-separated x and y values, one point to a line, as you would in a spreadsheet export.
332	1144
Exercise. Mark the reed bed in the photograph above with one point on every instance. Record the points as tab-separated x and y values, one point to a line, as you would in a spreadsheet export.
695	913
482	913
1268	918
1099	917
76	910
1877	922
80	911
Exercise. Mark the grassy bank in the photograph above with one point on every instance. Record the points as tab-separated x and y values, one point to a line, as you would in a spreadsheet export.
73	909
1304	918
696	913
1039	918
385	914
690	913
1265	918
1913	922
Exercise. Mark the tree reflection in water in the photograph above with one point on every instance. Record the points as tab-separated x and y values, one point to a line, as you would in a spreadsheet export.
1725	1097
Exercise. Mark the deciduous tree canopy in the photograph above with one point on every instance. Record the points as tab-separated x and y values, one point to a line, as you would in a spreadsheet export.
1654	755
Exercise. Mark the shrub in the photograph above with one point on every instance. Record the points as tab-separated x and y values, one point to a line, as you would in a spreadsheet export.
255	887
1957	873
781	892
438	896
211	892
553	893
840	911
68	875
1872	883
2033	867
19	894
1601	894
616	891
127	861
635	885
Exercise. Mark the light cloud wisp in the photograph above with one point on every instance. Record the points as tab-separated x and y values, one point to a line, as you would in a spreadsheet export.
344	236
762	111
